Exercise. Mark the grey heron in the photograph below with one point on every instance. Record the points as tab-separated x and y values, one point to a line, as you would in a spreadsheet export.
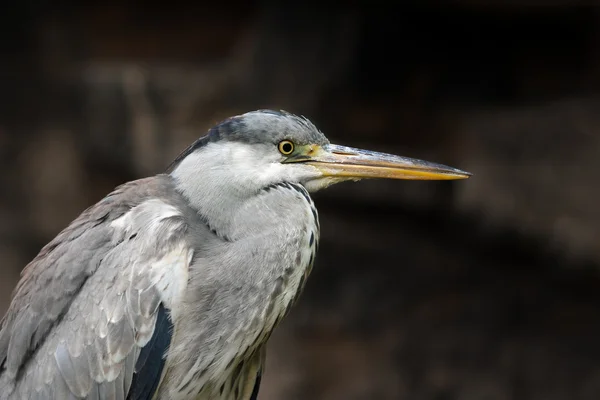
170	286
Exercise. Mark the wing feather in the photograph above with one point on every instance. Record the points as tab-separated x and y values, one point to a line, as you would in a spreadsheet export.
87	305
150	363
254	395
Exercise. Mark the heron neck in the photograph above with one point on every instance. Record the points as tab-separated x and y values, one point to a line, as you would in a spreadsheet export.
230	199
233	215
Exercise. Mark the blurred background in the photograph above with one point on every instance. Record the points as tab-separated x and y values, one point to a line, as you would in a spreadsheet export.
486	289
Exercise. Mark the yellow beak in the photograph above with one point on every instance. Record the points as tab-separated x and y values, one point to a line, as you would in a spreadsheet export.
349	163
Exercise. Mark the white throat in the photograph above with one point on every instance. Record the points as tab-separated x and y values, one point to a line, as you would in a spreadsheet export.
219	179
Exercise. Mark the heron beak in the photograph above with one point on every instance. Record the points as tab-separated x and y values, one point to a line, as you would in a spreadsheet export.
343	162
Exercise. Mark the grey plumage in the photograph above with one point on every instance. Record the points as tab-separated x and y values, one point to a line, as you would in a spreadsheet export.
217	250
86	302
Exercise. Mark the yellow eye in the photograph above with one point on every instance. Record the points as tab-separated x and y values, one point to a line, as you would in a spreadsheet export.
286	147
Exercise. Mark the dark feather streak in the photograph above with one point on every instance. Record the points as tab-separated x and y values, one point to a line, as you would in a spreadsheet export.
151	361
256	387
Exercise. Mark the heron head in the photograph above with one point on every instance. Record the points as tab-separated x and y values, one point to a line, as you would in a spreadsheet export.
261	148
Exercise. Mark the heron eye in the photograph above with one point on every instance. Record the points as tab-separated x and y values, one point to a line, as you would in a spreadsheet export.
286	147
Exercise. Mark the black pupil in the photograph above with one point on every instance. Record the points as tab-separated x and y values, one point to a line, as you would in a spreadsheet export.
286	147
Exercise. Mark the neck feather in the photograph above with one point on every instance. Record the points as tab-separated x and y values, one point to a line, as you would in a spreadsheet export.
233	201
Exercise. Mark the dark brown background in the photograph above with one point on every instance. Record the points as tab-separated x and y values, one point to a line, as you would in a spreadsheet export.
484	289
